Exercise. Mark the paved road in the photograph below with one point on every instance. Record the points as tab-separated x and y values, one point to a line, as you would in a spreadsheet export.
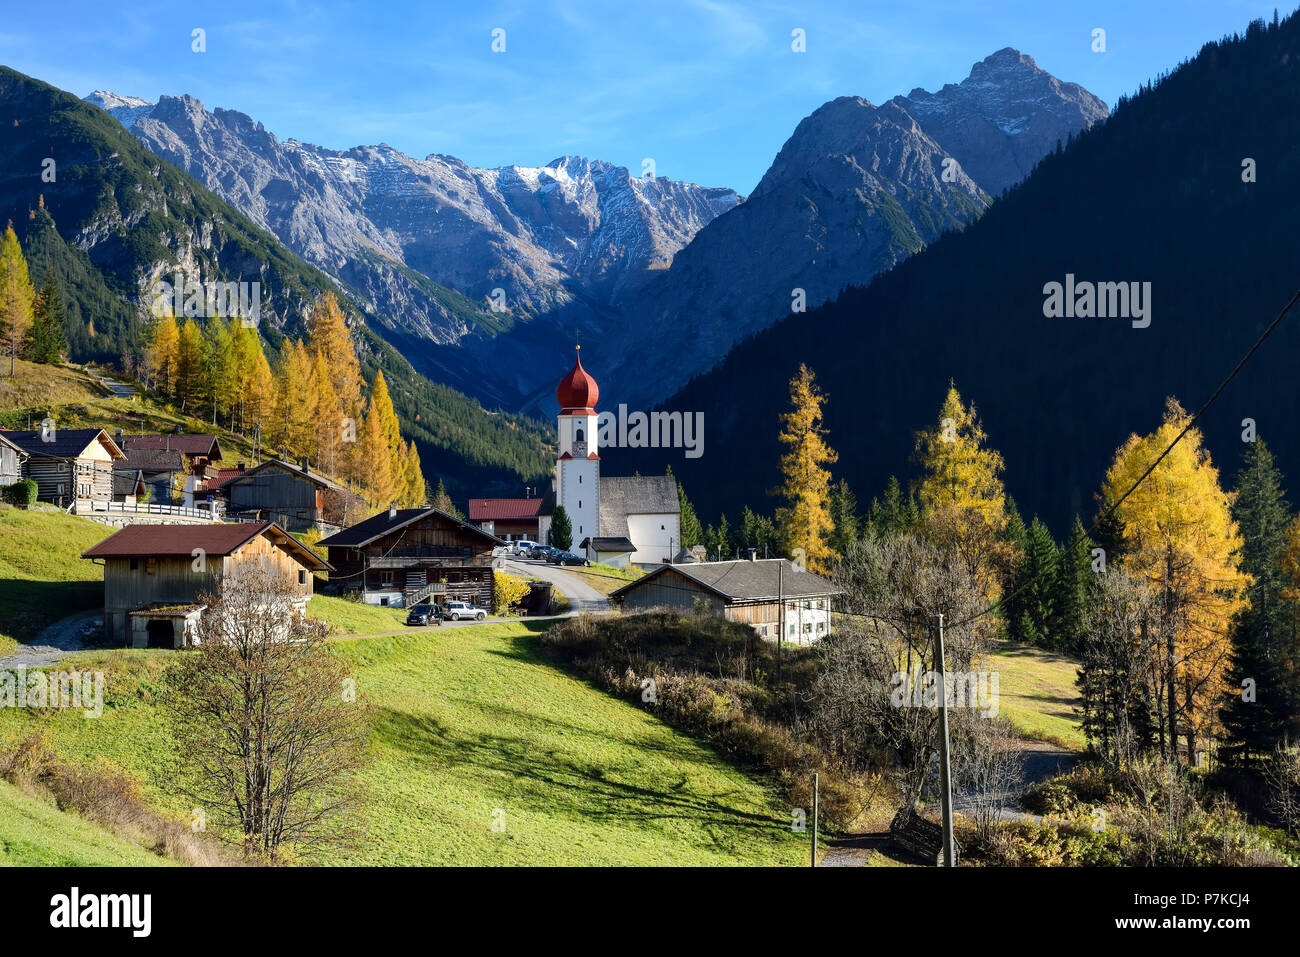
56	641
582	597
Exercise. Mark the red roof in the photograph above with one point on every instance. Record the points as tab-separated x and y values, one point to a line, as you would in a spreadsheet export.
503	509
577	391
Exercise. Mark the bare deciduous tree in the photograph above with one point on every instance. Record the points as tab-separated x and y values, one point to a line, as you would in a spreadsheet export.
987	769
1121	678
1282	775
893	587
266	722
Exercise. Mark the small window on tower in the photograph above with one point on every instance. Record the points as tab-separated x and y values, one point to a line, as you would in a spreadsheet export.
579	503
578	435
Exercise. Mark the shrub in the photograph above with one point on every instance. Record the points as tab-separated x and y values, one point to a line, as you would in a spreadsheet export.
22	493
106	795
715	679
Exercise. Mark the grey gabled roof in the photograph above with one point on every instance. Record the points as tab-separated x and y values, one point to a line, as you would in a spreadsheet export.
609	544
745	580
151	460
127	481
62	444
376	526
621	496
314	477
13	445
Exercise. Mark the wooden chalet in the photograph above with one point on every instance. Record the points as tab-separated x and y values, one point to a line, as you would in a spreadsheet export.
406	555
69	466
772	596
507	518
12	457
293	496
199	451
160	475
152	590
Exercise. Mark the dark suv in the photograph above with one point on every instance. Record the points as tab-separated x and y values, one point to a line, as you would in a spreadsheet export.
425	615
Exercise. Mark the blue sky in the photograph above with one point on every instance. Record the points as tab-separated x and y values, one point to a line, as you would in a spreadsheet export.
709	89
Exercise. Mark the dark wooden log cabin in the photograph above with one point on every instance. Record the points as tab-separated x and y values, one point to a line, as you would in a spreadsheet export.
406	555
69	465
153	585
292	495
12	457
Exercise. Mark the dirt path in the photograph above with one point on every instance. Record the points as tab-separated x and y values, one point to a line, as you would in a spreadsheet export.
869	845
59	639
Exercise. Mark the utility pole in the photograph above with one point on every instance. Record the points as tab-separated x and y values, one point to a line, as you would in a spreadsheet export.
780	614
945	768
816	798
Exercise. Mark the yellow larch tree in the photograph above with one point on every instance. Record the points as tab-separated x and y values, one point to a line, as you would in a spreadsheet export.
164	349
295	405
381	480
805	523
963	502
16	296
1180	537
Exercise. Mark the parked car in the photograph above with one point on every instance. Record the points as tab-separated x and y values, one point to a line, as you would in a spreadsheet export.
425	614
544	552
523	546
569	558
456	610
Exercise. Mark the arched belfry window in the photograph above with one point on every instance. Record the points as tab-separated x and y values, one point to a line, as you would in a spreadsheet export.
578	436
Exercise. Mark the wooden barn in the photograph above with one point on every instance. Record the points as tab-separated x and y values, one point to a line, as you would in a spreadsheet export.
12	457
153	581
772	596
70	466
406	555
291	495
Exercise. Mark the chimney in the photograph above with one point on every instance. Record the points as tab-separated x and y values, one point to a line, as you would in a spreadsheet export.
392	513
303	465
752	553
240	466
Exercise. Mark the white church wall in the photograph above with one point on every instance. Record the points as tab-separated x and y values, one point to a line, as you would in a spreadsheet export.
655	536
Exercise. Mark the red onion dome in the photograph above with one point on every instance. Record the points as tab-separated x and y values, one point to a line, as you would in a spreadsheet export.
577	391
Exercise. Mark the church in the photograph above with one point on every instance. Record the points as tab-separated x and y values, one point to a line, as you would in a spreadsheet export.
616	520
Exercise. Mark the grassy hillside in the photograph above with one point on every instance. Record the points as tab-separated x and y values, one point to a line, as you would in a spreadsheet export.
40	387
353	618
35	833
1037	694
75	400
471	721
42	576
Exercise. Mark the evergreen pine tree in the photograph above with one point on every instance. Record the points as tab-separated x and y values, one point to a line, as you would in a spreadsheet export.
1256	714
692	533
1016	536
1038	599
46	342
844	517
561	532
1073	587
